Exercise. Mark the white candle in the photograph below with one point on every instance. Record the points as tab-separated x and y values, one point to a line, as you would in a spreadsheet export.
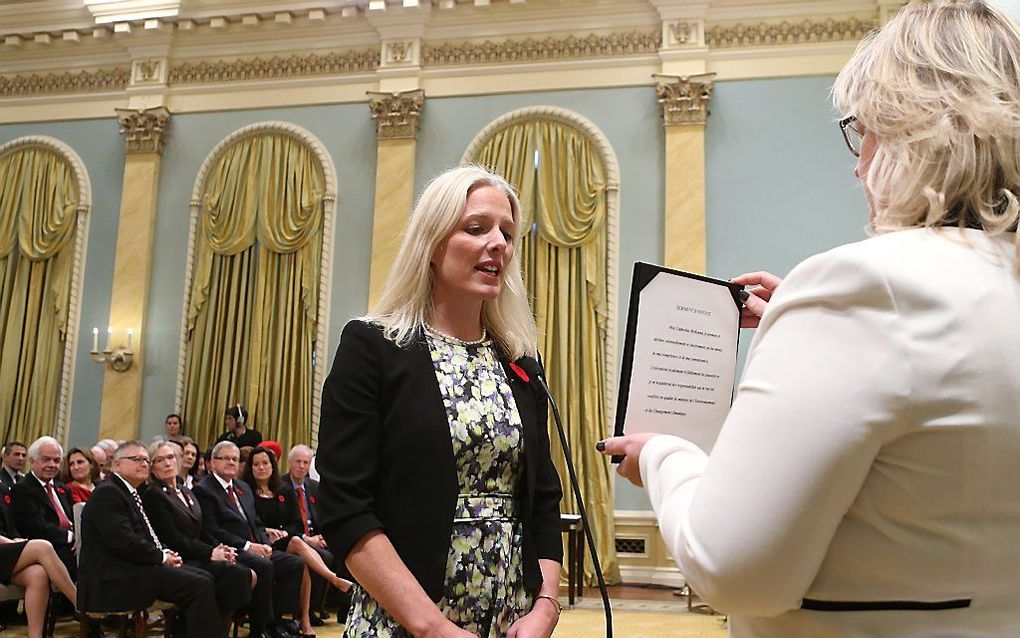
95	339
109	334
131	331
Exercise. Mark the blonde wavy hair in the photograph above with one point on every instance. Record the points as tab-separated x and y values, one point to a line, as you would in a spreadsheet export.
939	88
406	301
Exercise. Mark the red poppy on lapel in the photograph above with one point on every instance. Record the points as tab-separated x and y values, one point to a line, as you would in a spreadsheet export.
280	498
311	499
60	490
237	490
7	499
519	371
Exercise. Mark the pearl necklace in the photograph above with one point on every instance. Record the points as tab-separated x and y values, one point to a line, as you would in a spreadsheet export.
461	342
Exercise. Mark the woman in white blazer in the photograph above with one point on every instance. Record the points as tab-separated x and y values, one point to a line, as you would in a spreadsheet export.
867	479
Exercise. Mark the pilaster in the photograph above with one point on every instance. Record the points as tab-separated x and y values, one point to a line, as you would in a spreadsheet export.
397	116
684	101
144	133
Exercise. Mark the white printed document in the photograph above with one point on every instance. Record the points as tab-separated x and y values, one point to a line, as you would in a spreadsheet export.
680	355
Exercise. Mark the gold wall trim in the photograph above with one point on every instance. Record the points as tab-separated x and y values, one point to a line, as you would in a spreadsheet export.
550	48
720	36
333	63
94	81
304	136
612	165
81	174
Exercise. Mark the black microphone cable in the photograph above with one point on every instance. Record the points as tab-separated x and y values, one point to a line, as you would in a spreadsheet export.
534	368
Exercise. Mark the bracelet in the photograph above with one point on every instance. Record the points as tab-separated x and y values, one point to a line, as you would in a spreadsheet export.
552	599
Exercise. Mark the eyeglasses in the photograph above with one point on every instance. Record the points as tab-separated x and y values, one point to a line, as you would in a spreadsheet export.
853	134
141	460
235	459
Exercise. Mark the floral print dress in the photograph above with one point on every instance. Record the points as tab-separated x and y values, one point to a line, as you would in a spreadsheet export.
484	589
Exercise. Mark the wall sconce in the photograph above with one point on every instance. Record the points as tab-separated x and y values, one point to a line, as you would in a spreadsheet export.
119	358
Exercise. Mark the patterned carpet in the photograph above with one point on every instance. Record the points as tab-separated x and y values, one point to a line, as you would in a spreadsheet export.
631	619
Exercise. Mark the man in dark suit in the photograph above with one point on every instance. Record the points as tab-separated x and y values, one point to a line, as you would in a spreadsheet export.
13	458
229	517
299	460
123	563
41	506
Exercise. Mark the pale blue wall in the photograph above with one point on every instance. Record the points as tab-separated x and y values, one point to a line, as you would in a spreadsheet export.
101	149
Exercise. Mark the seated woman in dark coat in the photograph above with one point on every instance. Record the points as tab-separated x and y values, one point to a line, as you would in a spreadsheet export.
176	518
276	505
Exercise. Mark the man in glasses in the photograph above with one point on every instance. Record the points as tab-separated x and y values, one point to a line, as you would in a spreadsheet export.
229	517
41	505
124	565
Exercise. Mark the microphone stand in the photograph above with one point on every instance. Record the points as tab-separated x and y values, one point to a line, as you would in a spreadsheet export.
580	508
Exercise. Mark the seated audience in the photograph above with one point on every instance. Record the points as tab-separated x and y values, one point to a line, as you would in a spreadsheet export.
190	455
99	454
229	517
13	457
81	473
172	428
235	421
245	452
41	505
176	516
33	565
277	508
124	565
306	491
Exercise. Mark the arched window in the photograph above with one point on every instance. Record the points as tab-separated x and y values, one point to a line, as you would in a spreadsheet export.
45	198
568	179
257	286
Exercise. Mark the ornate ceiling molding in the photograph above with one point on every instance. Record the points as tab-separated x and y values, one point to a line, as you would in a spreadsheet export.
805	31
334	63
94	81
536	50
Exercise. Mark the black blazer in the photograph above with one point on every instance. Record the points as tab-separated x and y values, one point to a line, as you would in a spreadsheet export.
221	520
386	458
280	512
34	516
178	526
7	527
117	568
312	494
5	478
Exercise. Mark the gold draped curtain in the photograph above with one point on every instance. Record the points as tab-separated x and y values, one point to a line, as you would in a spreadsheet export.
38	215
564	261
254	299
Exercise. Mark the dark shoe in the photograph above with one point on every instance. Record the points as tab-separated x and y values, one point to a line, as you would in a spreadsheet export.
316	621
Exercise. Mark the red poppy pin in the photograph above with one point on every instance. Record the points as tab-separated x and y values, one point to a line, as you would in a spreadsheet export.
280	498
60	490
311	499
519	371
7	499
237	490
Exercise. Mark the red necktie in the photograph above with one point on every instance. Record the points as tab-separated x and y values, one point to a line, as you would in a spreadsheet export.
64	523
303	508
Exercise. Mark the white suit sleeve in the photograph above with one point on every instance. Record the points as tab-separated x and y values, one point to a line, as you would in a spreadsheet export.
826	381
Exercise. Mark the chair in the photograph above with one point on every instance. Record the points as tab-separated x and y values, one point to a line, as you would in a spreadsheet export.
138	618
570	524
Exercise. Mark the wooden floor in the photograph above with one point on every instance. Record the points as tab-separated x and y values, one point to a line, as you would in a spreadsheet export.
660	606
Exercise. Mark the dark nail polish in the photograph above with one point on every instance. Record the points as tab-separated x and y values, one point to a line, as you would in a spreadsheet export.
743	295
601	446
